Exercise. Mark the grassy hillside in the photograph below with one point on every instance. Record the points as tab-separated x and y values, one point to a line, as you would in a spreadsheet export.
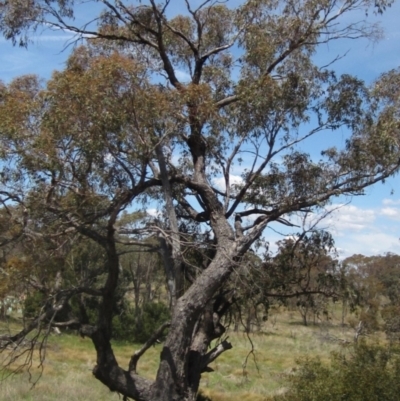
67	372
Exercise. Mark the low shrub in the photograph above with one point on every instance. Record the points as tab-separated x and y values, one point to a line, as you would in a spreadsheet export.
132	327
363	373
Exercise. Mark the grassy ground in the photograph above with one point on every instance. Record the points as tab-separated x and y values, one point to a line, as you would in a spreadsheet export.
67	370
275	353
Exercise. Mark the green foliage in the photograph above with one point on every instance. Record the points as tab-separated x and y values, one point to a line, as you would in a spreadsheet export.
33	303
391	317
366	373
135	327
37	302
375	283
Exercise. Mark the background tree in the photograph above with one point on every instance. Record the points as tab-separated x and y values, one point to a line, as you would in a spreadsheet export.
305	270
119	129
302	274
376	282
367	293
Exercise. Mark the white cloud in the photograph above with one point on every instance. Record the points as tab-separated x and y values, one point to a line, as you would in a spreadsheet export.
153	212
360	230
345	218
183	76
354	229
370	243
233	180
391	212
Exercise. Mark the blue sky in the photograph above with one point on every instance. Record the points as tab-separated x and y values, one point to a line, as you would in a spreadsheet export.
369	224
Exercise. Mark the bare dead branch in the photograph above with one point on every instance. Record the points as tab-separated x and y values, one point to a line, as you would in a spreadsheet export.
137	354
212	355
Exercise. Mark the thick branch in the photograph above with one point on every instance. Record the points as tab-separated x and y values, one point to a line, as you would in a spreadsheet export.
173	262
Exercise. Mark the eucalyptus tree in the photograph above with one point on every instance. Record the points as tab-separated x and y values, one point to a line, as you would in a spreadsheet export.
305	270
375	280
163	107
303	274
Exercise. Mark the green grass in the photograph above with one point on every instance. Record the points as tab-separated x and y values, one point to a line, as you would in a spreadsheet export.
67	370
275	353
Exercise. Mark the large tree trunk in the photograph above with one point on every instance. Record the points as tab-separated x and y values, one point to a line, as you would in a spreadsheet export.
195	323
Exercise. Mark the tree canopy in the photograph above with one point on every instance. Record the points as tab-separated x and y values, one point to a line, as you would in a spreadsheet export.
154	109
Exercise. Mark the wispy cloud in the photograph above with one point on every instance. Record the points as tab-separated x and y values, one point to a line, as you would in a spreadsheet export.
387	201
53	38
345	218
